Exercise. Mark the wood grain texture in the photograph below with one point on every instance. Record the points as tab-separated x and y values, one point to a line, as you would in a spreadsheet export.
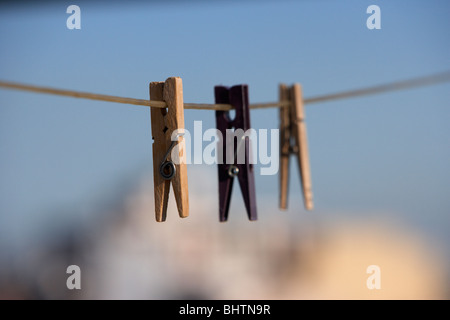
173	96
298	126
285	134
159	147
164	122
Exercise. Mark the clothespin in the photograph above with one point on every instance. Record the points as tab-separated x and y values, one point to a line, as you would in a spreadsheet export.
237	96
167	132
293	140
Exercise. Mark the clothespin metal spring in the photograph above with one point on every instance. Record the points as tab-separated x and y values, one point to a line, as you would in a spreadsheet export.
233	170
167	168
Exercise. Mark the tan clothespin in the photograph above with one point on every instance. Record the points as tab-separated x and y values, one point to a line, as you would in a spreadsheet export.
293	140
166	123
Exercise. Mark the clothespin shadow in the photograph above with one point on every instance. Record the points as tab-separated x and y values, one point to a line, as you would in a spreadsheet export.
166	122
237	96
293	140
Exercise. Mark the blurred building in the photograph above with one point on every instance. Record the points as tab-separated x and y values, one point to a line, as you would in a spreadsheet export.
124	254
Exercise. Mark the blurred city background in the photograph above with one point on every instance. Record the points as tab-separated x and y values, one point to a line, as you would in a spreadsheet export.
76	185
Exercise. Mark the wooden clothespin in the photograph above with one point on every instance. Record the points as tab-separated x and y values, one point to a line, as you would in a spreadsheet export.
293	140
237	96
165	125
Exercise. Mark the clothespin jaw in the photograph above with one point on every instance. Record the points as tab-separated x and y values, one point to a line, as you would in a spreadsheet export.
237	96
293	140
167	132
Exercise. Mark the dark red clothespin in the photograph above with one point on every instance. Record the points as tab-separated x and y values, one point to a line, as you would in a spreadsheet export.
237	96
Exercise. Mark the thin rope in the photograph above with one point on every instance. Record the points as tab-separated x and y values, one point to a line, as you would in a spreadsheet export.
83	95
279	104
401	85
205	106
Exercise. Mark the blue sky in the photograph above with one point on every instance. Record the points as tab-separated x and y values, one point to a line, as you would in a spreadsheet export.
387	153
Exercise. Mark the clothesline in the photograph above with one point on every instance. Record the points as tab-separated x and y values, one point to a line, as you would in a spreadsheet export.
394	86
